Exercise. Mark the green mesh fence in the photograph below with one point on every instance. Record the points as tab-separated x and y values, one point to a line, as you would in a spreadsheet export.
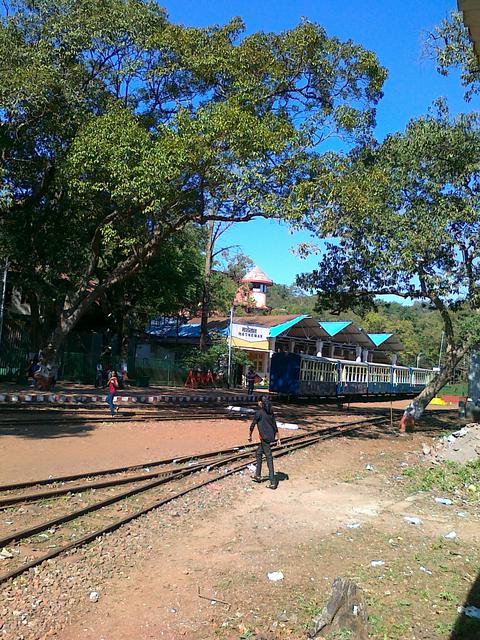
77	367
14	351
142	372
158	371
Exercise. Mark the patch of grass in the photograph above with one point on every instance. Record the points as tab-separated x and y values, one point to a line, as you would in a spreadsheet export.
443	629
420	592
446	478
310	608
447	596
377	625
458	389
341	634
224	584
355	477
10	510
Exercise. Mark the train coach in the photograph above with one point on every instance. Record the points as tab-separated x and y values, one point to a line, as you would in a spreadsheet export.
296	374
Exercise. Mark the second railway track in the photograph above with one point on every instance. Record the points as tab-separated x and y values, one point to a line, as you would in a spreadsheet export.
66	531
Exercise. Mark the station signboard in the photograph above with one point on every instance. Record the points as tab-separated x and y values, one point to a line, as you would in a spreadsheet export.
244	335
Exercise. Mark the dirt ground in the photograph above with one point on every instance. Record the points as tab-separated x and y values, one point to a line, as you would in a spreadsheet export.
224	544
38	451
198	569
301	530
92	447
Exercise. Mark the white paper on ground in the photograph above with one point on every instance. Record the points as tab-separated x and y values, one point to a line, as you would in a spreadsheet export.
275	576
241	409
451	535
287	425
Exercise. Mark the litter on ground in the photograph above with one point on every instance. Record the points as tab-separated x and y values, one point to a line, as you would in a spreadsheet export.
287	425
275	576
451	535
470	611
240	409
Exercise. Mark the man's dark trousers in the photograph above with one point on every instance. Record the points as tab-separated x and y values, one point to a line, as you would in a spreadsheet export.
264	447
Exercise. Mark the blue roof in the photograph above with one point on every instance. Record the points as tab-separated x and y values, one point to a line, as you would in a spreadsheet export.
379	338
193	331
280	328
332	328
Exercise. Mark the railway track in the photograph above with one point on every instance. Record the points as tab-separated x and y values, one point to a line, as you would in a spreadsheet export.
71	530
193	413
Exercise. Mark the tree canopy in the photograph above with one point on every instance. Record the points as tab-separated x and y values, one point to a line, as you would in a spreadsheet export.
451	47
403	220
118	128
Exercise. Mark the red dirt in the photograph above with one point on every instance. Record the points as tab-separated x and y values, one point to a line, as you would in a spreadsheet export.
102	446
38	452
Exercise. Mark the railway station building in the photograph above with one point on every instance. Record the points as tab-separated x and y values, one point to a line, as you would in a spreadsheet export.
262	335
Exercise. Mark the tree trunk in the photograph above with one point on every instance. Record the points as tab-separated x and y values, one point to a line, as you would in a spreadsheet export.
344	615
68	319
416	408
206	289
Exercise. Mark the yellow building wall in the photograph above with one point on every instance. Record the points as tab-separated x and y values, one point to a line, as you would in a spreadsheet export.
261	345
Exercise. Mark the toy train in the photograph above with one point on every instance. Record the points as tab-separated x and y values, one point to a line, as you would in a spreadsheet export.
295	374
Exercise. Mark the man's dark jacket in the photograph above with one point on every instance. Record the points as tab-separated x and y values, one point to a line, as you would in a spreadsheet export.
267	426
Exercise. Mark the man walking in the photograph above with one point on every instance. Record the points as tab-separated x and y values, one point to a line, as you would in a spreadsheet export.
251	375
264	419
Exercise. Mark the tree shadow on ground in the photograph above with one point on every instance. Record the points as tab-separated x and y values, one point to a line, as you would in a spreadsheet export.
39	425
465	627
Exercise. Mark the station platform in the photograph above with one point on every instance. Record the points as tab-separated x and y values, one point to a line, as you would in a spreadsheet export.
74	394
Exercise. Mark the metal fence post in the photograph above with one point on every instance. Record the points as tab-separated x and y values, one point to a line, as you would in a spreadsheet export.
2	305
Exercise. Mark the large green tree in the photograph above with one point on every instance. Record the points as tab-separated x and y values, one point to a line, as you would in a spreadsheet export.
170	284
118	128
404	220
450	46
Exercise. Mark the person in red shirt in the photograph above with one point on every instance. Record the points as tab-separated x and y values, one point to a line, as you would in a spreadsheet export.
112	390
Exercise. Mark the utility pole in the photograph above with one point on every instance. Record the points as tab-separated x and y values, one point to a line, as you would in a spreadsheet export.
2	305
229	370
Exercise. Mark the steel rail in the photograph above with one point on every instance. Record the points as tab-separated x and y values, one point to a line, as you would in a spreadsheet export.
165	477
162	478
163	462
120	522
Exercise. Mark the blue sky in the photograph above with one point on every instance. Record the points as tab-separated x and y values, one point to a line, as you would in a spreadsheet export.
394	30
